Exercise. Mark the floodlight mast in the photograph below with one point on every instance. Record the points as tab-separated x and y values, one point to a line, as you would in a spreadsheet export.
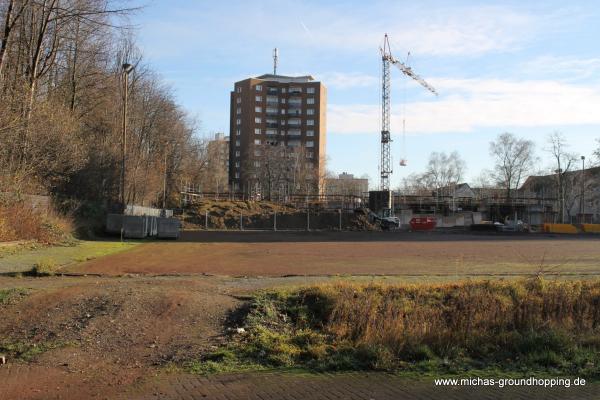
386	59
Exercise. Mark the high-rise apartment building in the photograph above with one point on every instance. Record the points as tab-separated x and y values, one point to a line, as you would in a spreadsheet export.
277	135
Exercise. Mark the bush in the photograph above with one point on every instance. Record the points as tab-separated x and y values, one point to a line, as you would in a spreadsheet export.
46	267
518	325
20	221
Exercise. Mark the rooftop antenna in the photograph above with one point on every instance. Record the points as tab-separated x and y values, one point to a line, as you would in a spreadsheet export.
275	61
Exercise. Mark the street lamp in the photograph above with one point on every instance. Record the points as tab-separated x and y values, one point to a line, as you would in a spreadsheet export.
127	68
582	206
560	195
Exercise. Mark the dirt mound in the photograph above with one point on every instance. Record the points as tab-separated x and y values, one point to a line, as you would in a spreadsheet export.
126	323
261	215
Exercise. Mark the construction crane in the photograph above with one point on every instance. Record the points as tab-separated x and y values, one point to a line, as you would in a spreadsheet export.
387	59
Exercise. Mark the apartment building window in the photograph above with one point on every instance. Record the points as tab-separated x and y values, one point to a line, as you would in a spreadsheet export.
258	98
271	132
237	175
283	122
282	101
295	102
238	121
310	154
271	111
293	143
237	143
238	89
259	88
310	143
310	111
237	164
310	132
283	90
237	153
310	122
257	164
257	153
238	100
282	111
310	100
294	132
295	90
310	90
257	131
258	109
257	120
239	110
272	99
256	141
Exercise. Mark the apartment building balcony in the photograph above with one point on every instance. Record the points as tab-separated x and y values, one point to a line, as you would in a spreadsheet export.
294	111
272	90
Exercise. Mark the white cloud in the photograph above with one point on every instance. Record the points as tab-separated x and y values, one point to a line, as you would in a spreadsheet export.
343	80
468	104
566	68
451	30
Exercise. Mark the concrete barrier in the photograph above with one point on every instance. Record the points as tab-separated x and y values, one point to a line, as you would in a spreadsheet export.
560	228
168	228
142	226
135	227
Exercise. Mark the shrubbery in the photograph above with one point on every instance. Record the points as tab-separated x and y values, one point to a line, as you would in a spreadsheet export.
20	221
514	326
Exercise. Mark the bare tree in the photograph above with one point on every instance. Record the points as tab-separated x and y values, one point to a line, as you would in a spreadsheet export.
444	171
513	161
563	163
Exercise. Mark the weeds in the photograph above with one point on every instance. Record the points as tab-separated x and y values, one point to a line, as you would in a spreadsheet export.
19	221
517	326
7	296
45	267
26	351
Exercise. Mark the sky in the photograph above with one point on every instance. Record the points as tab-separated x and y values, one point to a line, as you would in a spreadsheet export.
530	68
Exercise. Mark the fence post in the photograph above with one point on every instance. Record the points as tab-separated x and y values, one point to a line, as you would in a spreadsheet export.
206	220
308	219
275	221
241	221
340	219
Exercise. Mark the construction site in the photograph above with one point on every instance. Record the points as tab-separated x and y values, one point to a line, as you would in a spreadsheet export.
162	266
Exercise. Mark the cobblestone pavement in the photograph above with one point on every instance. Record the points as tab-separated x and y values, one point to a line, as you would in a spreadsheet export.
355	386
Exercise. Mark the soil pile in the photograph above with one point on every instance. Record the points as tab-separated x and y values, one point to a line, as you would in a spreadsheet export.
266	215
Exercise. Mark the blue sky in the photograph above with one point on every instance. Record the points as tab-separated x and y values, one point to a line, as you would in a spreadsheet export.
530	68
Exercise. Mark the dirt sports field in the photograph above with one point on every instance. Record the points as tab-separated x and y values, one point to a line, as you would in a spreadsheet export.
355	253
123	326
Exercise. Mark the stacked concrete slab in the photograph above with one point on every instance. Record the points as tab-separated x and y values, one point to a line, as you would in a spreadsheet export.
142	226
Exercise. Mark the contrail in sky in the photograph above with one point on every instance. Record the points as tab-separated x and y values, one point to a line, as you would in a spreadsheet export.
306	30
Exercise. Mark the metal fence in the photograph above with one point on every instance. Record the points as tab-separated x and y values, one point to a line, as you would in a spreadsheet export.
301	220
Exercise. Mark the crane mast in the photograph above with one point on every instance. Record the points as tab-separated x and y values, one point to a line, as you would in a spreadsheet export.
386	165
387	59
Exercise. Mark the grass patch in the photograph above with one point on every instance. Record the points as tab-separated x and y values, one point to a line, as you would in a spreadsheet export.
26	351
516	327
45	267
8	296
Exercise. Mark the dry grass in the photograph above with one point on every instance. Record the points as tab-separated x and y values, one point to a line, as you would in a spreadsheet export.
459	315
20	221
519	326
